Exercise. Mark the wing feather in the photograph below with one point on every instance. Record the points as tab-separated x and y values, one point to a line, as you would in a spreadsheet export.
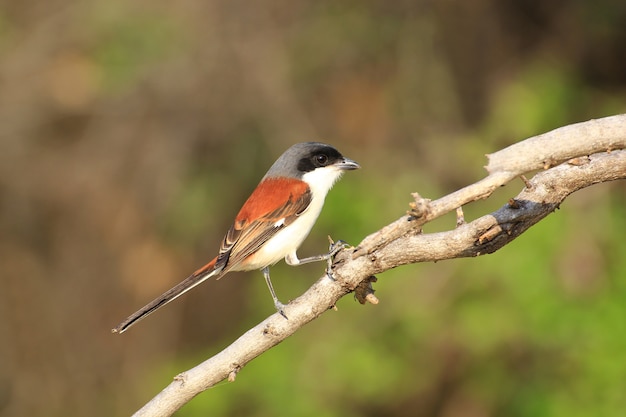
253	227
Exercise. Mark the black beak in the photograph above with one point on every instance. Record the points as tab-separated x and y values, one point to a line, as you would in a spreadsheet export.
347	164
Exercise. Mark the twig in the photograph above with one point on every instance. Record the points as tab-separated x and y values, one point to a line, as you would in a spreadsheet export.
595	153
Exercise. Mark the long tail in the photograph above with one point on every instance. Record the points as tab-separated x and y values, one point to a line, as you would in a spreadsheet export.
190	282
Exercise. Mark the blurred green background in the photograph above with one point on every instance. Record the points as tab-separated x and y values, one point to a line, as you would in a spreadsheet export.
131	132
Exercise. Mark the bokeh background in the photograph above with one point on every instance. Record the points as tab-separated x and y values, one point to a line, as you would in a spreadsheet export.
131	132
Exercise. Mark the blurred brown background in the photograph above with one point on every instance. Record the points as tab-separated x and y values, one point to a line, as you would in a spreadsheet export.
131	132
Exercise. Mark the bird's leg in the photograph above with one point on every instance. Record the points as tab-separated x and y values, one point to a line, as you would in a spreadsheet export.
279	306
334	249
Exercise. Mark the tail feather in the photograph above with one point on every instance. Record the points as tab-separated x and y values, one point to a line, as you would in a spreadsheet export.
187	284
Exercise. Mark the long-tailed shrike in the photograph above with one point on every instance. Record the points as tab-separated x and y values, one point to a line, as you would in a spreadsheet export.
273	222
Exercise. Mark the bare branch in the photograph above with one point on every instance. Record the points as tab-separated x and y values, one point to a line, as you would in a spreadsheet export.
573	157
538	152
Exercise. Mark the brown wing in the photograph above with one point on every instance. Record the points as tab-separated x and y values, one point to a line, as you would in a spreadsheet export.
258	220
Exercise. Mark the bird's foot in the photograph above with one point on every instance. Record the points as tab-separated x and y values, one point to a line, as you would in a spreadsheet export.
334	249
280	307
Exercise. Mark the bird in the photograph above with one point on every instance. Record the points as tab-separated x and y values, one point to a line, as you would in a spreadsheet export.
271	224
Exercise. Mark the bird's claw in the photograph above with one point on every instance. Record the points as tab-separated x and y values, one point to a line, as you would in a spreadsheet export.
334	249
280	309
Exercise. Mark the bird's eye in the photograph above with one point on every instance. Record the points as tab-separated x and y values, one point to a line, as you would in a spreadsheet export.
321	159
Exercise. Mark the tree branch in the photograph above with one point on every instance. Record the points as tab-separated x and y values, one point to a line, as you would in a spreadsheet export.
573	157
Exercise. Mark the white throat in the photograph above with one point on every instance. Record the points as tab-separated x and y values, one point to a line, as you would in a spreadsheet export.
321	180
